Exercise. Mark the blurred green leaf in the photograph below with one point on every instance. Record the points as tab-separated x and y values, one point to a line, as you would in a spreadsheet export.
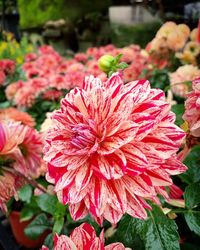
47	203
37	226
58	225
25	193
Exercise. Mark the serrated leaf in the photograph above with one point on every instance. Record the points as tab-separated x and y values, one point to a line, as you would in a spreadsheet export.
159	232
191	195
25	193
58	225
193	220
192	161
47	203
127	233
37	226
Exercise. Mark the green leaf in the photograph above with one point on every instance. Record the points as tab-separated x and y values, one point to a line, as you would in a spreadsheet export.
192	161
159	232
37	226
47	203
193	220
27	213
25	193
122	65
117	58
4	105
58	225
178	109
48	242
191	195
127	233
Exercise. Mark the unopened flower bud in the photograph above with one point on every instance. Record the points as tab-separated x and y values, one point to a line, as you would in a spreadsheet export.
105	63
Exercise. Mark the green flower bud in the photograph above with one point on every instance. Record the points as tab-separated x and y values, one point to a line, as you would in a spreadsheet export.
105	63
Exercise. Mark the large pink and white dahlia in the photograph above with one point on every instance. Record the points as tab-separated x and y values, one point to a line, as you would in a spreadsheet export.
111	147
192	108
83	237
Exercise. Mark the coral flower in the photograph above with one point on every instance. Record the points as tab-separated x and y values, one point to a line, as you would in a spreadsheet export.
192	109
111	147
17	115
83	237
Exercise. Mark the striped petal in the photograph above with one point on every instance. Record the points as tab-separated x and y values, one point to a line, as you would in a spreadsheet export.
78	210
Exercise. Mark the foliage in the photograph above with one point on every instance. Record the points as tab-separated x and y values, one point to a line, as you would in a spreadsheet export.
35	13
11	49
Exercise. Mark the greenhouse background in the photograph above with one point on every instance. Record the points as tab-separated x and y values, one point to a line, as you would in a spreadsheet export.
100	125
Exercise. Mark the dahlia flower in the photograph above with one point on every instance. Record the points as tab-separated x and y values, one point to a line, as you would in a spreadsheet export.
111	147
192	109
83	237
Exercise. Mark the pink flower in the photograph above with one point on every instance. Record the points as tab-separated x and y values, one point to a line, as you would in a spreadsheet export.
111	147
192	108
83	237
8	66
30	158
180	76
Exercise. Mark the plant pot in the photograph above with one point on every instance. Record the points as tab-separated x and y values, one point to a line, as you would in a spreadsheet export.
18	231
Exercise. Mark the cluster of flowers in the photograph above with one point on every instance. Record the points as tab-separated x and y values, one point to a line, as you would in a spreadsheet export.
191	51
7	67
177	40
47	73
20	152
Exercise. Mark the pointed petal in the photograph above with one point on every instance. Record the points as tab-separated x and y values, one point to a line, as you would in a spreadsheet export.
78	210
97	197
159	177
135	208
83	176
137	186
117	195
112	215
